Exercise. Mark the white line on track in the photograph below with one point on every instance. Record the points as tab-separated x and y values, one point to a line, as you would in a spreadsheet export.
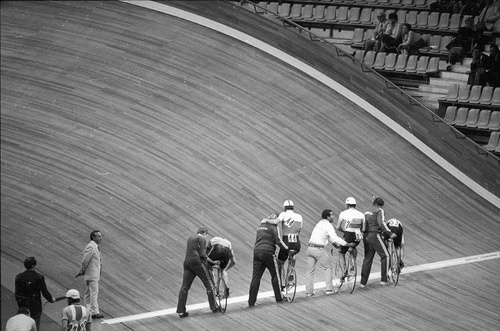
301	288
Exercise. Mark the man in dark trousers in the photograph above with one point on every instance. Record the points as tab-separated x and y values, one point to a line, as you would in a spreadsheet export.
263	257
375	225
195	264
29	285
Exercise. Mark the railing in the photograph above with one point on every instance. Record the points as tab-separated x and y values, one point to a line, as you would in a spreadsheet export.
364	68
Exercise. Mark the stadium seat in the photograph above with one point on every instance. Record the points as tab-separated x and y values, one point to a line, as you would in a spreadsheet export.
444	21
400	63
273	7
407	3
472	118
357	40
307	13
342	14
452	93
359	55
461	117
401	16
493	141
390	62
475	94
486	95
366	16
284	9
422	64
433	20
463	92
411	17
395	2
433	67
262	4
454	22
354	14
296	11
379	60
484	119
434	43
319	13
422	20
495	98
494	123
450	114
369	58
411	64
330	13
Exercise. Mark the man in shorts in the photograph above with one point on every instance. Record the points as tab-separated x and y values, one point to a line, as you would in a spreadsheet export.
220	249
352	223
396	227
290	223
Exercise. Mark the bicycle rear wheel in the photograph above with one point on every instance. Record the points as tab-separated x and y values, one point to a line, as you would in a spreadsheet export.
352	271
339	278
221	292
394	266
290	281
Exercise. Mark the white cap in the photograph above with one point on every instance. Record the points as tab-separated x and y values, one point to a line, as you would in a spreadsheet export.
288	203
350	201
73	294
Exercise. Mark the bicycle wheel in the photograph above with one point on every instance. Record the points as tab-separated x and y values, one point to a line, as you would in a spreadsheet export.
221	292
290	281
352	271
339	278
394	266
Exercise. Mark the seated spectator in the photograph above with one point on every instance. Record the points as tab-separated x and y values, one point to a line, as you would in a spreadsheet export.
493	73
411	41
463	42
392	36
472	7
374	43
488	17
478	68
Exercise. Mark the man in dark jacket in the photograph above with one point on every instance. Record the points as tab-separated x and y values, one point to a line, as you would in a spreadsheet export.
263	258
29	285
195	264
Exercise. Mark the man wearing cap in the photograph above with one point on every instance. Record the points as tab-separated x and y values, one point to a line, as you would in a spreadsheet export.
91	270
75	316
21	322
195	264
352	223
29	284
322	234
290	224
374	43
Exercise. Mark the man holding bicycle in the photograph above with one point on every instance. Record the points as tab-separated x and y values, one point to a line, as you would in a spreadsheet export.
352	223
220	249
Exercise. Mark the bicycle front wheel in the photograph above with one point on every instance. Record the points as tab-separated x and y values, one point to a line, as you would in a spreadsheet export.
290	282
394	267
352	271
222	292
339	278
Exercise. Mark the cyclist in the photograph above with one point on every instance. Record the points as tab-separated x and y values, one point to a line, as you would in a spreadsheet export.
352	223
220	249
75	316
396	227
291	224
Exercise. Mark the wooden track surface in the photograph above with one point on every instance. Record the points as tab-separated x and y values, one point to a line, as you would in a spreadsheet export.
147	127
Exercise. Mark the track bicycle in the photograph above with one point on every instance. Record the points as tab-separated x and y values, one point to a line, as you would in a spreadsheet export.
394	263
289	277
347	275
221	292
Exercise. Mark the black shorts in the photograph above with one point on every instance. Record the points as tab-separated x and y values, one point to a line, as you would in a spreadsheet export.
349	237
283	253
220	253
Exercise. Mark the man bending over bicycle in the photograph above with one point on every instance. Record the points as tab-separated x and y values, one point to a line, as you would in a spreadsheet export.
396	227
220	249
352	223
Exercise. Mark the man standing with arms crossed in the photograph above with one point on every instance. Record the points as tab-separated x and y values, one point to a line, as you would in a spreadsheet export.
91	270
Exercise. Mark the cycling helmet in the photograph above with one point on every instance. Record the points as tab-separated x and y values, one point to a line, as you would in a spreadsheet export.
288	203
73	294
350	201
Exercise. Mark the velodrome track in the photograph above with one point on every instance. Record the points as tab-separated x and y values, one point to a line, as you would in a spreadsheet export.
148	126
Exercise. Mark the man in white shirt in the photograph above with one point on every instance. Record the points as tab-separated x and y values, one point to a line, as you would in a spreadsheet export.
322	234
21	322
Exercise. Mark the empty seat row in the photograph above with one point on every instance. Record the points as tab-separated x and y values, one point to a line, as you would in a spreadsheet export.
472	94
473	118
493	144
401	63
436	45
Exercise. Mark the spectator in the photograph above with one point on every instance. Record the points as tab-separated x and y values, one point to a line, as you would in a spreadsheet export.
195	264
392	35
493	74
374	43
28	286
220	249
375	225
463	42
266	240
322	234
352	223
21	322
489	15
91	270
411	41
478	68
75	316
